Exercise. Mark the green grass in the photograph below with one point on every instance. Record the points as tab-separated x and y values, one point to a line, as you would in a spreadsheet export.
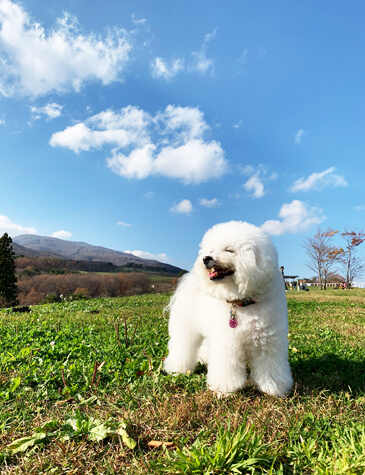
82	390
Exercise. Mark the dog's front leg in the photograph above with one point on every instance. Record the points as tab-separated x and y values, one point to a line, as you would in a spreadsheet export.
183	351
270	370
226	367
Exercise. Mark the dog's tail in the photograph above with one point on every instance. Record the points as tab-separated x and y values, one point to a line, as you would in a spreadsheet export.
180	285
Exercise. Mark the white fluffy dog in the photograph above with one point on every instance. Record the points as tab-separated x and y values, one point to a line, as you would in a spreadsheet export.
231	308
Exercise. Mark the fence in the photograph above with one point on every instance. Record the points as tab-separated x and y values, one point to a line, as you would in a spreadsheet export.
329	284
359	285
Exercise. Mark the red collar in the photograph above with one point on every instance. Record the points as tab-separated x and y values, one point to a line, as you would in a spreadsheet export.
242	303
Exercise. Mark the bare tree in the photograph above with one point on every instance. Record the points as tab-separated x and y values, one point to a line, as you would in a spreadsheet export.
352	263
322	254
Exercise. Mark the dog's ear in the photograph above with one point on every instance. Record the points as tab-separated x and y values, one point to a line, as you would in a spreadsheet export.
252	248
257	256
249	246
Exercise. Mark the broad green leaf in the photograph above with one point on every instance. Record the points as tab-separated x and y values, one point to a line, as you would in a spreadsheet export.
73	423
129	442
16	381
23	444
100	432
50	426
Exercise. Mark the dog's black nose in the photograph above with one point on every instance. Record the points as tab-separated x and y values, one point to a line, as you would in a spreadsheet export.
207	259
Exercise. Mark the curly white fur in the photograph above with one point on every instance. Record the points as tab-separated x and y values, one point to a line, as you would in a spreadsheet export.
199	313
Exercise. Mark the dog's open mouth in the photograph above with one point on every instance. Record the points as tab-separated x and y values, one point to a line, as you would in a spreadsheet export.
217	273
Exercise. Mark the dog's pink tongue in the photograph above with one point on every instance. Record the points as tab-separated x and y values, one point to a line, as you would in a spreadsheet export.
213	274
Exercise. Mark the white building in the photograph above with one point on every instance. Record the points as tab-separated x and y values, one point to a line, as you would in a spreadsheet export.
359	285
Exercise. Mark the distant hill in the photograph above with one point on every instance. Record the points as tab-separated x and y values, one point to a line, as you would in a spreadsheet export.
26	251
42	246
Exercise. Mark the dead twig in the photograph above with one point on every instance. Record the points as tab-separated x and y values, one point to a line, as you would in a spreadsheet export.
134	332
64	381
116	328
96	369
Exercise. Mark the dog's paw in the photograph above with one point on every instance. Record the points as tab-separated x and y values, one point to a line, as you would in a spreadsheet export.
170	367
173	366
223	394
274	388
225	390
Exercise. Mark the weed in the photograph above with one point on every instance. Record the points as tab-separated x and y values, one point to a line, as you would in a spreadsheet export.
240	451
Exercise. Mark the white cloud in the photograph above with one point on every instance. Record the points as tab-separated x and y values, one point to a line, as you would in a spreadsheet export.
299	136
76	137
201	63
255	186
2	121
138	164
51	111
122	223
119	129
246	169
167	69
36	61
170	144
360	208
62	234
183	207
161	68
238	125
148	255
7	226
296	217
193	162
318	181
258	175
181	124
140	21
213	203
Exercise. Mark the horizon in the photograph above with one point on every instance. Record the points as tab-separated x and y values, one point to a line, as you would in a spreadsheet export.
137	129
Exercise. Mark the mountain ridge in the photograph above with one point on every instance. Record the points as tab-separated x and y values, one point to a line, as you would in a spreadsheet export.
77	250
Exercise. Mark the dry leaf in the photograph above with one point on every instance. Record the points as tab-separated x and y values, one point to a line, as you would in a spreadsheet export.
65	401
158	443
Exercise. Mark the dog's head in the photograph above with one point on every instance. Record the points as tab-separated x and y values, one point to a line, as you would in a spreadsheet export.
236	260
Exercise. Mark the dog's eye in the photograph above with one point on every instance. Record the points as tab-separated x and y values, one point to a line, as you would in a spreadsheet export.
229	250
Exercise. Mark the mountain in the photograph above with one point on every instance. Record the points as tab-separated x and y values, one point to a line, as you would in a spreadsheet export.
25	251
44	246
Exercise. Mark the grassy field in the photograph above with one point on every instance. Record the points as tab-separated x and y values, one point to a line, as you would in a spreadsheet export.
82	391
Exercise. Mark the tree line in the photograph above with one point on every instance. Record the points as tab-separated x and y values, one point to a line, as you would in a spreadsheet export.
53	288
32	286
323	255
29	265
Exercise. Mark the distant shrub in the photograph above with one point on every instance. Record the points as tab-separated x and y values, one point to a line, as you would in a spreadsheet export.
81	291
79	294
42	288
55	271
32	298
74	297
51	298
135	283
27	272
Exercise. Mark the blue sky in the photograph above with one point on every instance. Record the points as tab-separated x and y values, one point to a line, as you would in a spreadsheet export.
137	125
